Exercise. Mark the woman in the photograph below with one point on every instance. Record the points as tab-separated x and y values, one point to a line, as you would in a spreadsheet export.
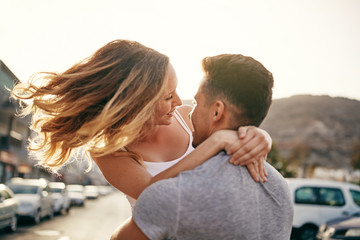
120	104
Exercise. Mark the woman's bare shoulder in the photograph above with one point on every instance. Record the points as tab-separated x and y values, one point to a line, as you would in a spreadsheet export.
111	160
124	173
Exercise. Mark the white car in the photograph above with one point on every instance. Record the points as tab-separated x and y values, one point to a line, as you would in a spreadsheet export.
317	201
8	208
91	191
76	194
33	195
62	201
104	190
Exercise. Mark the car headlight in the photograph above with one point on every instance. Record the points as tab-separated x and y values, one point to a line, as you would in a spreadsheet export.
329	232
353	232
322	228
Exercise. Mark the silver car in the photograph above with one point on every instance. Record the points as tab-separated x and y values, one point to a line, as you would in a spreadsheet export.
8	207
91	191
77	194
62	201
33	195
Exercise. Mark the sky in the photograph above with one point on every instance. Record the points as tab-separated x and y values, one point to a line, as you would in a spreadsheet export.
310	46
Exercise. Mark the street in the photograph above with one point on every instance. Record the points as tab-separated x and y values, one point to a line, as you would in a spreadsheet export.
95	221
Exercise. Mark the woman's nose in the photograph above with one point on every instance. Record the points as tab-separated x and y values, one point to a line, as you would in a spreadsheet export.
177	100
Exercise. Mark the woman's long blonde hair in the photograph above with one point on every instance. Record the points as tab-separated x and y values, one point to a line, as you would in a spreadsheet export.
102	103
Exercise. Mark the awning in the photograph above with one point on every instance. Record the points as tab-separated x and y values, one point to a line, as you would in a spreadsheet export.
7	157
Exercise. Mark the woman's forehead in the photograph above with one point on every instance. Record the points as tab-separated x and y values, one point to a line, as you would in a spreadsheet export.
171	81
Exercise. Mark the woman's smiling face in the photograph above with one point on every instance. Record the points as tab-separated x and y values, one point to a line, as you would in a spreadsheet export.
167	104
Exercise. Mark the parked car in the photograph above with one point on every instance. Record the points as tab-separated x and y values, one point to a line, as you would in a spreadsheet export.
34	198
318	201
91	191
323	228
62	201
76	194
104	190
8	207
340	229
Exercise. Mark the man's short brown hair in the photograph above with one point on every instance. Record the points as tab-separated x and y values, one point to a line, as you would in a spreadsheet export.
242	82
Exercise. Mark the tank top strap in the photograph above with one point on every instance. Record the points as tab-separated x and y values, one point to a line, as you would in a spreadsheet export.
182	122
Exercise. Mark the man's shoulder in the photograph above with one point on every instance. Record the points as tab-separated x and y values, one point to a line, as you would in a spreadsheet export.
275	173
160	188
215	161
163	193
155	211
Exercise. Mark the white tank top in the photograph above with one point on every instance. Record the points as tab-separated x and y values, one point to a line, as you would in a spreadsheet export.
156	167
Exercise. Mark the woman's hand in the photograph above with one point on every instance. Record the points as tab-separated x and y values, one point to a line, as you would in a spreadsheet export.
251	149
257	171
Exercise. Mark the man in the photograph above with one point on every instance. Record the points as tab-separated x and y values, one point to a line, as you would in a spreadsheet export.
218	200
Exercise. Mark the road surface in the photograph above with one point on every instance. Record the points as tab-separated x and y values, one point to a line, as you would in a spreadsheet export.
95	221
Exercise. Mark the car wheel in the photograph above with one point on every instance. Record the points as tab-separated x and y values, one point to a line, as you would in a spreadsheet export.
308	232
37	217
13	225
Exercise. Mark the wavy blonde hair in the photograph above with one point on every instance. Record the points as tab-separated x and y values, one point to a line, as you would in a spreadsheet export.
102	103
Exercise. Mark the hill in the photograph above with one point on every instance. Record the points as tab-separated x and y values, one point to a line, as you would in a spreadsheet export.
326	127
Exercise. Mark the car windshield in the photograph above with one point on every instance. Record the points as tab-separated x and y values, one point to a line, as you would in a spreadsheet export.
23	189
56	190
356	196
75	190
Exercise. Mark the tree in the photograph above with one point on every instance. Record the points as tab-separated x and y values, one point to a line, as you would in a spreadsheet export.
298	156
299	153
355	156
279	163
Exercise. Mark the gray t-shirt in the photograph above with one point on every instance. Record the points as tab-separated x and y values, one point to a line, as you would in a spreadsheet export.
216	200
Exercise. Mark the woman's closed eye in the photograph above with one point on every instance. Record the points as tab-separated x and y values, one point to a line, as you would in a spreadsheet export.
169	98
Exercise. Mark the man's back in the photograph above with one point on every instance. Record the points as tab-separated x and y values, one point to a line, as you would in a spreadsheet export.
217	200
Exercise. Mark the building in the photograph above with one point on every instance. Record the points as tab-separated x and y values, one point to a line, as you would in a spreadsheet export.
14	131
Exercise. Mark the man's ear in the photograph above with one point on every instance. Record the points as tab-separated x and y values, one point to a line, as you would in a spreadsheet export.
218	111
